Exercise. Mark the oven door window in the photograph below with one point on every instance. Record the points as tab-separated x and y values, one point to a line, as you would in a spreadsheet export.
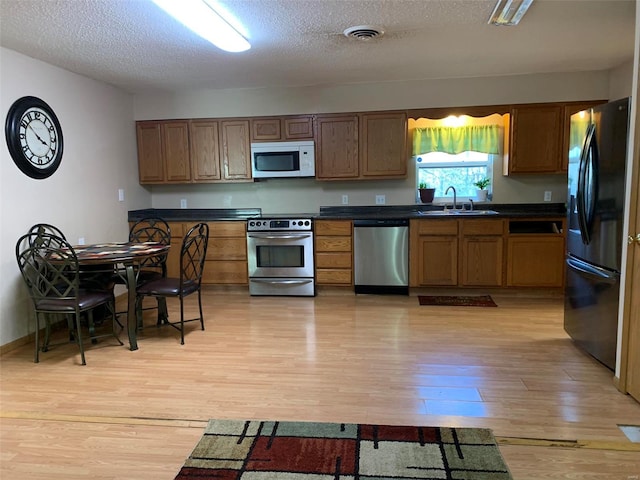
280	256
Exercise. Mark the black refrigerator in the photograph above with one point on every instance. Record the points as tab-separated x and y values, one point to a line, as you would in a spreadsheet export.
595	217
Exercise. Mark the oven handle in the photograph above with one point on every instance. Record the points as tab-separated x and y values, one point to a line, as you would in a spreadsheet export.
275	236
281	282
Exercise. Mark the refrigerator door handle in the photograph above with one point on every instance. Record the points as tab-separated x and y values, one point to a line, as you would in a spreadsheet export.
587	185
592	271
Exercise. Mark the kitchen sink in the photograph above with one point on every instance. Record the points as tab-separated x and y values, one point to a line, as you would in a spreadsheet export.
454	213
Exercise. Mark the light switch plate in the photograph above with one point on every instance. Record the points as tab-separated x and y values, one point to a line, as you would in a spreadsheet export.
183	203
345	199
547	196
121	194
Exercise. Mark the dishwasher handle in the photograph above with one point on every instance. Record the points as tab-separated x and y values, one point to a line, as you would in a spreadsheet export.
382	222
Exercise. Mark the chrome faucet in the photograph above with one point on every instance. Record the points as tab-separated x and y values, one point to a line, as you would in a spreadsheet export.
455	200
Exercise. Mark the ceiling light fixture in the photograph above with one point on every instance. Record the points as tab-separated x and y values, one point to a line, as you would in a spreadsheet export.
509	12
201	17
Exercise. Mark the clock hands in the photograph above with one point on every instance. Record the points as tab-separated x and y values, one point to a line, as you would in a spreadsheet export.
38	136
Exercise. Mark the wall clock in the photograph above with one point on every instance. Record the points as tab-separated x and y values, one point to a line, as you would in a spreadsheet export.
34	137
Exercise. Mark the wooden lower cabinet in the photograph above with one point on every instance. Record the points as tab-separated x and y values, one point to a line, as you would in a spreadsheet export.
334	252
481	253
433	247
226	261
535	261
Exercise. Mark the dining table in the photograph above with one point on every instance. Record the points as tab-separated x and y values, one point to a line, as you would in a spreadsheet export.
123	259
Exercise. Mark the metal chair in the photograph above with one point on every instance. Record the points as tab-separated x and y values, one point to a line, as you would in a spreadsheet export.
45	228
50	269
192	257
157	230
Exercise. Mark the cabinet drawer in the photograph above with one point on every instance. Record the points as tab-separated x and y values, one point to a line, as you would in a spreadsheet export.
227	249
227	229
333	277
333	260
481	227
333	244
333	228
436	227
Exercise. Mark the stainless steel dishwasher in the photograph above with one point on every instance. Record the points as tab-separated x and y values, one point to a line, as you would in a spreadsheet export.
381	256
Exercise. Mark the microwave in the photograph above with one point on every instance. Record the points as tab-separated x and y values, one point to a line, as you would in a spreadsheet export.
283	159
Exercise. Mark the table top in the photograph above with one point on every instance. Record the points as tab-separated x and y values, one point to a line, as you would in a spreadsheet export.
118	252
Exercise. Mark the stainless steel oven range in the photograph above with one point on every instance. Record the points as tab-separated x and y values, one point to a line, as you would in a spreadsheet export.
280	256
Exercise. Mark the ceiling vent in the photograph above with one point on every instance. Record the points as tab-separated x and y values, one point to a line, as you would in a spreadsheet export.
364	32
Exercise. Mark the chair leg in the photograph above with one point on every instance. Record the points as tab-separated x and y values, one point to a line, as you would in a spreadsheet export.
181	320
200	305
112	310
92	327
79	338
163	314
36	355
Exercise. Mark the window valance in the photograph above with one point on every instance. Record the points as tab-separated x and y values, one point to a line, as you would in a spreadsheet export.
454	140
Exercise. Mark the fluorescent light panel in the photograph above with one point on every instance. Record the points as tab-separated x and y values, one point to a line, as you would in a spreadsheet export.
509	12
200	17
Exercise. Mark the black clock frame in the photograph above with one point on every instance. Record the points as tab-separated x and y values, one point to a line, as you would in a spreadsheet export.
12	135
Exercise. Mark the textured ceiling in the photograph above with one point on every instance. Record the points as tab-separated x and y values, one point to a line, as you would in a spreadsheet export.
134	45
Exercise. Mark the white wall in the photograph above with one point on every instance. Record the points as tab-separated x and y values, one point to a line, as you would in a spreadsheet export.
81	197
306	196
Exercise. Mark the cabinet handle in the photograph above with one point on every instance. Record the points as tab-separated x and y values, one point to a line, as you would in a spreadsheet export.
631	239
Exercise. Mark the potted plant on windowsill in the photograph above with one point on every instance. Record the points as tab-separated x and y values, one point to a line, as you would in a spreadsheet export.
481	185
426	193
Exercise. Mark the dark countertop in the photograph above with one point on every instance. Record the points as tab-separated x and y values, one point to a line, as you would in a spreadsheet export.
539	210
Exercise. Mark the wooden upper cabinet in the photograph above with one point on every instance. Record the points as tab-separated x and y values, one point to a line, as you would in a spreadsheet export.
298	128
150	162
205	150
337	147
163	151
236	150
536	139
383	144
273	129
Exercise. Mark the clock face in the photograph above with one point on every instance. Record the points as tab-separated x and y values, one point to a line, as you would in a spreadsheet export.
34	137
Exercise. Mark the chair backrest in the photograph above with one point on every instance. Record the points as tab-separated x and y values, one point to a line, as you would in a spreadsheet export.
44	228
152	230
193	254
48	265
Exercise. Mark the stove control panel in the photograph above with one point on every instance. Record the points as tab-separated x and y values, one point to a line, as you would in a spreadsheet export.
279	224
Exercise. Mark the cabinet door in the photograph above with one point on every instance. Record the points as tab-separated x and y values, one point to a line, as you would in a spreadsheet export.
437	260
333	252
298	128
205	151
535	261
536	136
175	147
150	164
236	150
173	257
481	261
383	144
337	147
263	129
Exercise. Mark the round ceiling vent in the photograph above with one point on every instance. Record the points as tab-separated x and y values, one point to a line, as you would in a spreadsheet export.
363	32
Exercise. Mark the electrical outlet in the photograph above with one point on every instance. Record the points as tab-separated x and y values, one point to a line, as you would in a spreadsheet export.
121	194
547	196
183	203
380	199
80	240
226	201
345	199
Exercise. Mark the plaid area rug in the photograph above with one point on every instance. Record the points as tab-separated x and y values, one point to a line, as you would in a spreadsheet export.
457	300
256	450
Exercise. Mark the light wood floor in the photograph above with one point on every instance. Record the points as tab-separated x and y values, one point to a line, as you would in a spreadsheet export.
336	358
